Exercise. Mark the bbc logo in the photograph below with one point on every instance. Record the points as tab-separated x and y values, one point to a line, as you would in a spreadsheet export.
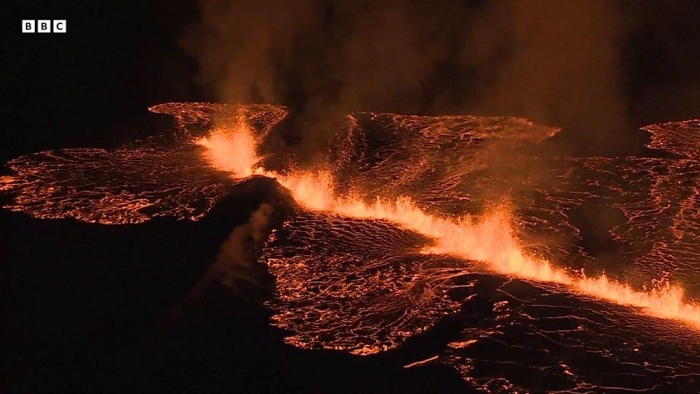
44	26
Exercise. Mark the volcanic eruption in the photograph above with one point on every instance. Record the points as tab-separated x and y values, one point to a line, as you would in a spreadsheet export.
415	218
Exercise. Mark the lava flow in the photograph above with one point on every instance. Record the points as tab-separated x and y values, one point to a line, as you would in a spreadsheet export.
490	239
158	176
416	218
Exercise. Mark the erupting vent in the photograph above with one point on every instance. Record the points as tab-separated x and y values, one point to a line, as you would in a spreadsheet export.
415	218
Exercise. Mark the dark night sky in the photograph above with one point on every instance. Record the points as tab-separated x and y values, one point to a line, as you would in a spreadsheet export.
93	84
92	87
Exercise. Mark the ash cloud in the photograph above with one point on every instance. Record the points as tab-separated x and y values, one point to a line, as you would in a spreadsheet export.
554	62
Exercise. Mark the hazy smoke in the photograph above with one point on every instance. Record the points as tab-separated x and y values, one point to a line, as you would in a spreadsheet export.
555	62
236	264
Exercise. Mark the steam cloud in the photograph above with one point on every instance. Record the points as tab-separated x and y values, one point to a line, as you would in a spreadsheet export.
556	63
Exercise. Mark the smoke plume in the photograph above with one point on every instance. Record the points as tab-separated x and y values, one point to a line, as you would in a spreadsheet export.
236	264
237	260
554	62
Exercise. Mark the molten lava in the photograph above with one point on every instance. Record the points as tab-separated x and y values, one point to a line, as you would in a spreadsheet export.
490	239
232	150
407	224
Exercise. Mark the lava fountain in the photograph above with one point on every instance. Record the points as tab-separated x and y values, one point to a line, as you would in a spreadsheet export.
233	150
490	239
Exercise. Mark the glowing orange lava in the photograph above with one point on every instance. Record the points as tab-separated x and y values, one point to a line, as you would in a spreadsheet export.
6	182
490	239
232	149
